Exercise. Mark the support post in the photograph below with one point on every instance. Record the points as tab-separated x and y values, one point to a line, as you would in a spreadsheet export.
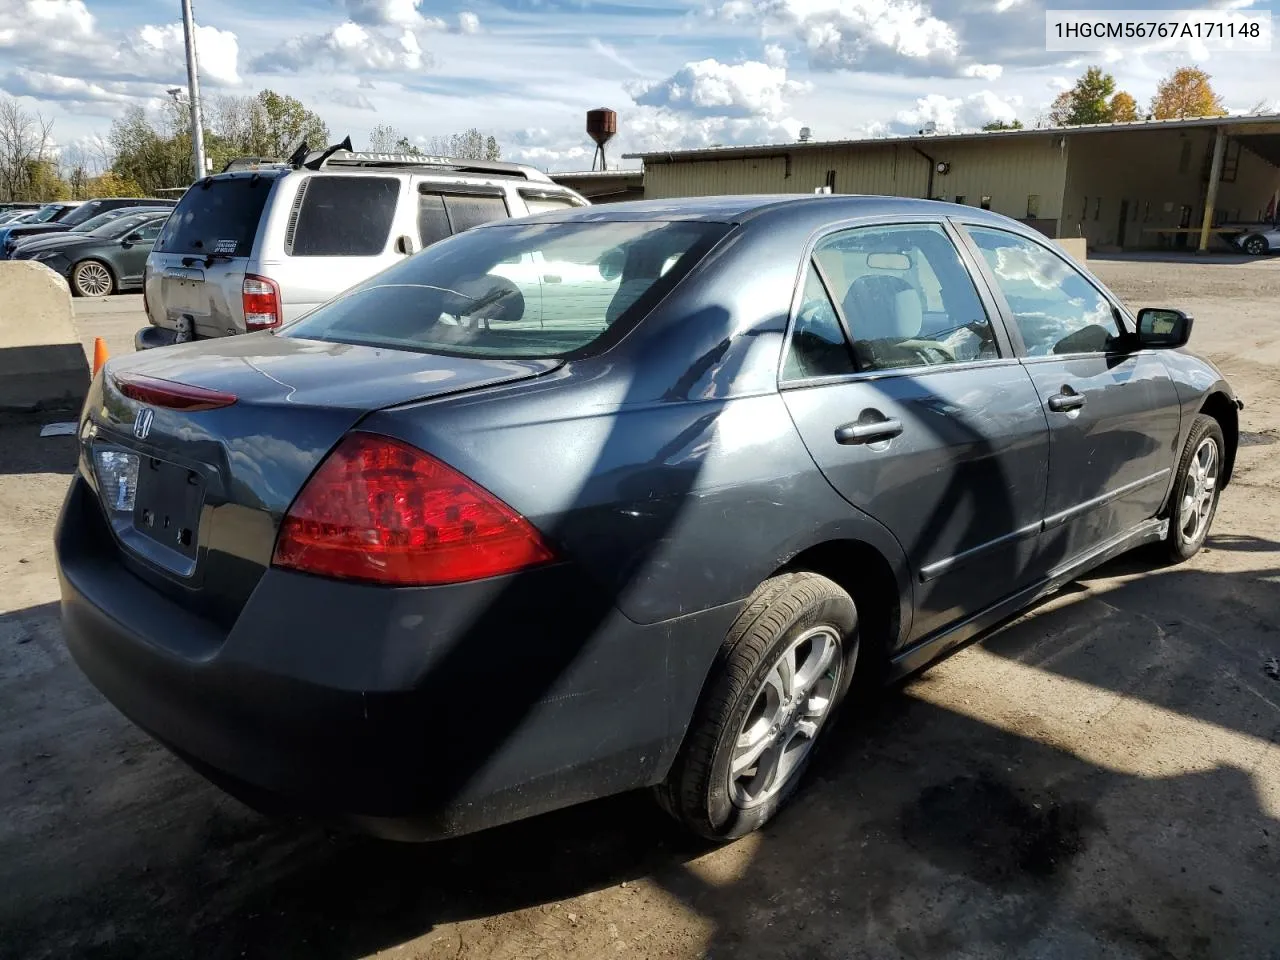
1211	193
193	91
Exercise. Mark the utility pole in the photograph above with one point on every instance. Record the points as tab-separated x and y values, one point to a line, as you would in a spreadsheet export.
193	91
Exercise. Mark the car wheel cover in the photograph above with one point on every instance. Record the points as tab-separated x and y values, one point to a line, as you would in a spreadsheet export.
785	716
1255	245
93	279
1199	491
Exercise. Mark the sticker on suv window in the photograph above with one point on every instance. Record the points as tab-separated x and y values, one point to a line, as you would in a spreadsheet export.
224	246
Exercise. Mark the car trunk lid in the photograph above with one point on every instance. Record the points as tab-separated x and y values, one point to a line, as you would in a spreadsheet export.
197	450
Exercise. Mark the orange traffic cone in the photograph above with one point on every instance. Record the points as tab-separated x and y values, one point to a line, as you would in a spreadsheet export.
99	353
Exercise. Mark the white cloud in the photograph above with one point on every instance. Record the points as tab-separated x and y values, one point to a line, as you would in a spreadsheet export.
160	52
957	114
62	19
468	22
348	98
384	13
52	86
711	88
869	35
610	53
1060	83
983	71
348	47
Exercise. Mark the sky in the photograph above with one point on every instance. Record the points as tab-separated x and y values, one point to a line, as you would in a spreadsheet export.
680	73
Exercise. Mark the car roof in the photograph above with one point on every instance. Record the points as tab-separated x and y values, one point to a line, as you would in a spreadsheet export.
792	209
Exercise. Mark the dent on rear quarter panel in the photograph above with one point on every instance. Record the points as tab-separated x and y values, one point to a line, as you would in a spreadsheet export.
669	466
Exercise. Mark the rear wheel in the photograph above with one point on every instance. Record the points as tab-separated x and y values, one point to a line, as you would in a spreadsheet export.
1255	246
1196	489
92	278
781	673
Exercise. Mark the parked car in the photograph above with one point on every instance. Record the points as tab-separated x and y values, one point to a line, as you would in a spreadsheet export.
106	260
419	562
88	226
9	236
249	249
10	211
1258	239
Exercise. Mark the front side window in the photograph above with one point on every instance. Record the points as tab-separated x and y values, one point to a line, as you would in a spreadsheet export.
907	297
345	216
519	291
1056	309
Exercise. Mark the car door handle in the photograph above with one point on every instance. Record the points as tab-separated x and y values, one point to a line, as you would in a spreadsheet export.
1066	402
868	432
551	278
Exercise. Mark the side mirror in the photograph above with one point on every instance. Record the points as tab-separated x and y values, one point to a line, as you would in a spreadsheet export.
1163	329
131	239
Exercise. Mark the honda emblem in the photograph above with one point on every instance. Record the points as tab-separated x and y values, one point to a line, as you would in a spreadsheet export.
142	423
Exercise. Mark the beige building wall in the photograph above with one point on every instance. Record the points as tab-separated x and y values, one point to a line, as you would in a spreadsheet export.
1156	179
1019	175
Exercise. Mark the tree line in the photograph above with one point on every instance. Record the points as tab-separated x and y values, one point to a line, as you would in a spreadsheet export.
145	152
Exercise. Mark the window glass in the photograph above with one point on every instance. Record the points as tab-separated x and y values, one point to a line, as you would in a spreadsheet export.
537	204
1056	309
817	347
470	210
526	290
907	297
220	217
433	222
345	217
149	231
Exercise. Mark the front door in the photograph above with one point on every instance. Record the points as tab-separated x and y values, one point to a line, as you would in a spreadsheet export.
918	415
1113	414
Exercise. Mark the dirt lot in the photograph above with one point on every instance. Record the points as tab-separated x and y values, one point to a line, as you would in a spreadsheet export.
1099	779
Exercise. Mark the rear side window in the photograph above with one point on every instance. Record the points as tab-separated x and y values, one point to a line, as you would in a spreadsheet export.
519	291
441	214
221	216
345	216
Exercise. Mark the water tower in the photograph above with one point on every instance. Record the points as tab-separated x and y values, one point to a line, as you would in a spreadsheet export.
602	126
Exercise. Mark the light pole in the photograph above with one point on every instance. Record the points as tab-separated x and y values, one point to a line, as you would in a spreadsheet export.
193	91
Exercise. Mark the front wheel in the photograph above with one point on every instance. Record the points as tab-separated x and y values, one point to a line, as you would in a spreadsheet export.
780	675
92	278
1255	246
1196	489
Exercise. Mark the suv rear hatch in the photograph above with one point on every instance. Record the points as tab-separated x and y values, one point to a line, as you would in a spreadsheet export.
195	276
196	451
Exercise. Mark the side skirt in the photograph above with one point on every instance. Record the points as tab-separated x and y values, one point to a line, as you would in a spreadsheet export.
933	647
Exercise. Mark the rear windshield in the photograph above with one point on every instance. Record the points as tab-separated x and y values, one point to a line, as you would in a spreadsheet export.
122	226
82	213
219	215
518	291
48	212
93	223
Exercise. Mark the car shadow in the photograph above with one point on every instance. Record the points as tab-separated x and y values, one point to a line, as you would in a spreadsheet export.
24	451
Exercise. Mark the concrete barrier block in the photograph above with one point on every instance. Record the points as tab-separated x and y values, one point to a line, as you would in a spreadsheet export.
42	364
1075	247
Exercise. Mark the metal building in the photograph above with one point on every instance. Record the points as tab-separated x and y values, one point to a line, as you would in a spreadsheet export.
604	186
1119	186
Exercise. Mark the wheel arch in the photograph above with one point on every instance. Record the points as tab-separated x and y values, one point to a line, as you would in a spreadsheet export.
1224	409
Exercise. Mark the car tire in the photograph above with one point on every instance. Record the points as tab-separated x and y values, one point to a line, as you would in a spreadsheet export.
795	618
92	278
1255	245
1196	488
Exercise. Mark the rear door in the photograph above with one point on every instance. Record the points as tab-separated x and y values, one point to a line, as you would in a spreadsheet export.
1113	412
135	247
901	381
195	274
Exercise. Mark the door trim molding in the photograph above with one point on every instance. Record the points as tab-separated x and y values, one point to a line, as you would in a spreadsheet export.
1058	519
939	567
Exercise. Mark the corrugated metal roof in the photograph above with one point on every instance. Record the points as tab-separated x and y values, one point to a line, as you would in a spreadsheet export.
764	148
636	172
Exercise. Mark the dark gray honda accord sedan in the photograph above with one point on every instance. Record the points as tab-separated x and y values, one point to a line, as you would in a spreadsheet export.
616	497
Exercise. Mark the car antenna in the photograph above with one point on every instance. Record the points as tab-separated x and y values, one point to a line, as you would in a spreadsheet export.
299	156
318	162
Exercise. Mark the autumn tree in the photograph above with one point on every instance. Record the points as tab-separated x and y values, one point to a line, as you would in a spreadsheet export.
26	152
1186	93
1124	109
1001	125
468	145
1088	101
385	138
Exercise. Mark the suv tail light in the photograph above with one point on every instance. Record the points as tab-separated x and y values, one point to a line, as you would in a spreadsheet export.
381	511
261	301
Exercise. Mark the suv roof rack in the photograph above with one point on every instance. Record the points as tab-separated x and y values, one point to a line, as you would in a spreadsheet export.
252	163
364	158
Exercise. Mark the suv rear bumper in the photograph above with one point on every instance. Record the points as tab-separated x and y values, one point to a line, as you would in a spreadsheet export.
338	700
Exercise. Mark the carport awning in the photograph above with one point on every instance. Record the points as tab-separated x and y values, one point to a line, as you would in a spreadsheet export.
1265	145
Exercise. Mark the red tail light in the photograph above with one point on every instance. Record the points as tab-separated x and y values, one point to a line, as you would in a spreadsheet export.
170	393
380	510
261	300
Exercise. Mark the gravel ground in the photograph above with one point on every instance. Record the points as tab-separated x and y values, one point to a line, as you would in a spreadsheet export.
1097	779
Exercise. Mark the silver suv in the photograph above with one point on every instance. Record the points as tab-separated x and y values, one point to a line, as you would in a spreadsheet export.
251	249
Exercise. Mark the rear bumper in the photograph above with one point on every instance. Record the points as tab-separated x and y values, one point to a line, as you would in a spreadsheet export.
414	713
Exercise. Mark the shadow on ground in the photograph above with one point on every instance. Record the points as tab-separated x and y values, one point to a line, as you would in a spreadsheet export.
924	832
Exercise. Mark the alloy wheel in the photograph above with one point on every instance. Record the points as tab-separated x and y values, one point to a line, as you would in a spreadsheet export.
93	279
785	717
1199	491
